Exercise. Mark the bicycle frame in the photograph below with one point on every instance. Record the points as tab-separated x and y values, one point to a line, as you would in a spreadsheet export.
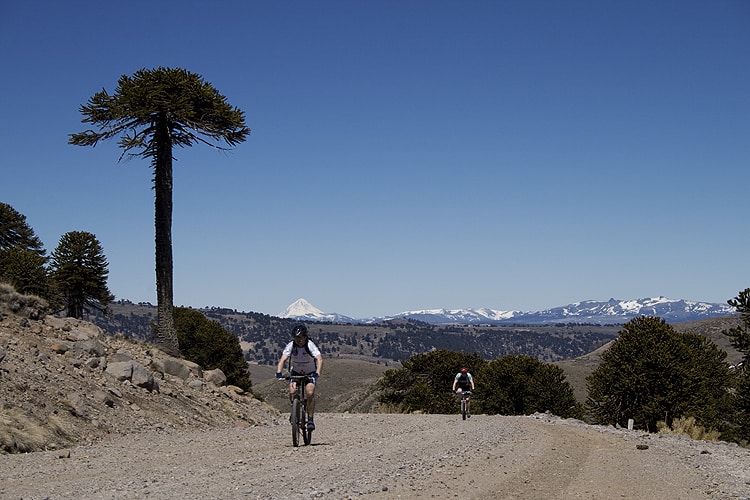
465	404
298	410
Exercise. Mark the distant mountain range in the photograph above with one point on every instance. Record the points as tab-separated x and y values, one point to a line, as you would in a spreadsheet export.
612	311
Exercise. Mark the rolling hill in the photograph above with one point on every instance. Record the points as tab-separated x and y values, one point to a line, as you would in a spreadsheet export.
357	354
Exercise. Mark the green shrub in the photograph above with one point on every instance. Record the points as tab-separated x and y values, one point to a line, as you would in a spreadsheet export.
424	382
522	385
206	343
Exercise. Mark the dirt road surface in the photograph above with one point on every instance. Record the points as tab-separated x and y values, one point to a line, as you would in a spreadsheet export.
386	456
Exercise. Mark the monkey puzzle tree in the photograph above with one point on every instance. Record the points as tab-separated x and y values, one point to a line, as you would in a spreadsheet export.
22	255
518	384
152	112
79	273
652	373
424	381
24	270
16	233
740	340
740	335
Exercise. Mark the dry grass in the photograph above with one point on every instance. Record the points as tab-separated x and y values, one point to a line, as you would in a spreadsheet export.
19	434
26	306
687	427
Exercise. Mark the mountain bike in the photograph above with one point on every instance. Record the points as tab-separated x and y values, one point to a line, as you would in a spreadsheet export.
298	412
465	404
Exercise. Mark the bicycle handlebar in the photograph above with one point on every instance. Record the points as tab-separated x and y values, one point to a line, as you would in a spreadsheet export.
297	377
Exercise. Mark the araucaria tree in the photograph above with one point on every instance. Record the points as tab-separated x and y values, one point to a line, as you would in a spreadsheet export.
152	112
16	233
740	335
22	255
652	373
79	273
740	339
521	385
424	381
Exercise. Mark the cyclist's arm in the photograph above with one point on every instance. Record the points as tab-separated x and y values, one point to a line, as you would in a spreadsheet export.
284	356
280	366
318	363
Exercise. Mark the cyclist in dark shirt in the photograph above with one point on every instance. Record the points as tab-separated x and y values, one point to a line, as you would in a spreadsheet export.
463	381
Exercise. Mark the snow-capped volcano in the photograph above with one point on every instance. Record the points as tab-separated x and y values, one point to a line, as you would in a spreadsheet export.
612	311
300	308
303	310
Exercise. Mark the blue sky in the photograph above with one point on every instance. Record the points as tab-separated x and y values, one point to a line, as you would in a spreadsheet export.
517	155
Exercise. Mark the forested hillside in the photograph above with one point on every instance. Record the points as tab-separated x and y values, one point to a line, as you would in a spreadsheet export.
263	336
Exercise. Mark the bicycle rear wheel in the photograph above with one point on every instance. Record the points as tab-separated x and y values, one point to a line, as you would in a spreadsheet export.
295	420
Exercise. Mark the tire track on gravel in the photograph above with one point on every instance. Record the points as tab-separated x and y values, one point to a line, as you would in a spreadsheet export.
580	462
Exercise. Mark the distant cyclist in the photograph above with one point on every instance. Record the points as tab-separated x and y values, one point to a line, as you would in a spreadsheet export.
306	360
463	382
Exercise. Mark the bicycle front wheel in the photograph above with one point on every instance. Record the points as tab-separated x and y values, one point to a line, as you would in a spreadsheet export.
463	408
295	420
306	433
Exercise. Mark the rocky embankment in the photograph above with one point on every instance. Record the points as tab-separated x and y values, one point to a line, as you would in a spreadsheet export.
63	382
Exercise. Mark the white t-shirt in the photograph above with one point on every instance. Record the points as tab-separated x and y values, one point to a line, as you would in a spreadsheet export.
302	362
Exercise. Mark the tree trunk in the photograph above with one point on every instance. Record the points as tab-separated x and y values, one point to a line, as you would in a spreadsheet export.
166	337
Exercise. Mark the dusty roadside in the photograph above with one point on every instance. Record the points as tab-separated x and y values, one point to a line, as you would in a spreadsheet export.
387	456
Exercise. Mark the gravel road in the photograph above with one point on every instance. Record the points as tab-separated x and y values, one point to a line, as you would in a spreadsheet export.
386	456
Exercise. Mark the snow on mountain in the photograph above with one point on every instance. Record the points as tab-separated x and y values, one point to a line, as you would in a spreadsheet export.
300	308
464	316
612	311
621	311
304	311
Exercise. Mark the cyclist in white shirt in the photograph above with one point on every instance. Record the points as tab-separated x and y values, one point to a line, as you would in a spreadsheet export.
306	360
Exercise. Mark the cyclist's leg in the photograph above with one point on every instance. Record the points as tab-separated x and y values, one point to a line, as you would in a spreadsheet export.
310	393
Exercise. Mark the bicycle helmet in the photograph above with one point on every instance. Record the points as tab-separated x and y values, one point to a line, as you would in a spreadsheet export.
299	331
464	371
